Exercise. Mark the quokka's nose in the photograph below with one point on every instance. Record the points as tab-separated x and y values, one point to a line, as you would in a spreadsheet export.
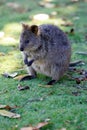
21	49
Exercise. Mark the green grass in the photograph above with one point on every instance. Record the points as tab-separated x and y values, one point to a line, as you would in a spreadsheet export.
60	105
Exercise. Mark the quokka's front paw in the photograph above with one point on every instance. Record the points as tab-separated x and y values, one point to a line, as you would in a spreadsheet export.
30	62
52	82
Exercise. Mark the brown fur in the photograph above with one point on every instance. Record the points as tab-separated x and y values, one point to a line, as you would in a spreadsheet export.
49	48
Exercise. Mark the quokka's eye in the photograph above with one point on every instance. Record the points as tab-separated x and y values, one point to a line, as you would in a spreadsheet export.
27	41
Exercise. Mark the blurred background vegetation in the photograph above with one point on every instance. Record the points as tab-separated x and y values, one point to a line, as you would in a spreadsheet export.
62	107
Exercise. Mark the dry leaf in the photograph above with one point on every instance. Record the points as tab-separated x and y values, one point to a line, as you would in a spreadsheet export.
42	124
47	4
53	14
20	77
2	106
76	63
40	17
29	128
7	107
39	125
9	114
46	120
74	0
22	87
10	75
67	23
63	129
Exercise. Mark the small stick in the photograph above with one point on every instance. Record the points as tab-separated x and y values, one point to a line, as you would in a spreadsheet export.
33	100
81	53
75	63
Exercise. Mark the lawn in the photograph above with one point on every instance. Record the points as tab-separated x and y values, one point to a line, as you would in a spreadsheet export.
64	104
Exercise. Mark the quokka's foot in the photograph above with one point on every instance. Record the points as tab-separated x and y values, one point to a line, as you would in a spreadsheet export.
51	82
27	77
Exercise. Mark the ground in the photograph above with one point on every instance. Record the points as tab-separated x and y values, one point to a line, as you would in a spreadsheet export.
65	103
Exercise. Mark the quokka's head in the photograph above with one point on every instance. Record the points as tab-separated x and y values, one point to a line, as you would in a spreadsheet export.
29	37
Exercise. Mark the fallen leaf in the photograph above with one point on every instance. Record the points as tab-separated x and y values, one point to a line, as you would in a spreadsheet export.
67	23
41	17
29	128
48	119
76	63
2	106
9	114
22	87
53	14
7	107
74	0
47	0
20	77
81	78
42	124
63	129
47	4
39	125
10	75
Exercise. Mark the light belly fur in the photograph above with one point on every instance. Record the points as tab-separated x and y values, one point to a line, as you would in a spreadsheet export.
42	68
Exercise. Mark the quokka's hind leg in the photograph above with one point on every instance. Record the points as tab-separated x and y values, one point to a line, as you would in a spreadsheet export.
31	74
54	74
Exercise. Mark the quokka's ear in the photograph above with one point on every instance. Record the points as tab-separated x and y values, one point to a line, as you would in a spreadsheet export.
25	26
34	29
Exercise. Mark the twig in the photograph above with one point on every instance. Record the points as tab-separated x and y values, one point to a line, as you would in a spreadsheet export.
33	100
75	63
36	99
81	53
